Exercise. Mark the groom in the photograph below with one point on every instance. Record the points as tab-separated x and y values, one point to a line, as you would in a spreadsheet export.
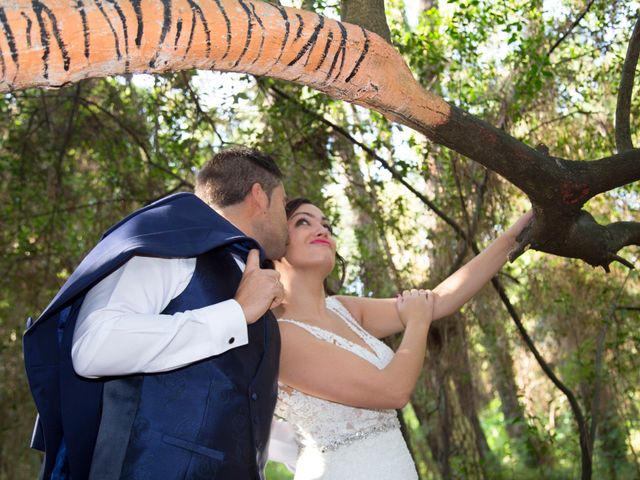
158	358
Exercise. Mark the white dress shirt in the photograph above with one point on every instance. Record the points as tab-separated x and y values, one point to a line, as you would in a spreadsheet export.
120	330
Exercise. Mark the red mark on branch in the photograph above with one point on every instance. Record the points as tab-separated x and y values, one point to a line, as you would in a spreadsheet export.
489	137
573	193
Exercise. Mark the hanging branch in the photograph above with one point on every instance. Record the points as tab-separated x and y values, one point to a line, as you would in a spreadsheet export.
570	29
203	114
625	90
583	431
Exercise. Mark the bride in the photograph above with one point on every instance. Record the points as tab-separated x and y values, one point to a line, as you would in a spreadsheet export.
339	384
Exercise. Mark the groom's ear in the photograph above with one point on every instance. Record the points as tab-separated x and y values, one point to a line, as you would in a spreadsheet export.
258	198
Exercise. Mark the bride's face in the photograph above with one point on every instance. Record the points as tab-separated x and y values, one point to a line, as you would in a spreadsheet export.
311	243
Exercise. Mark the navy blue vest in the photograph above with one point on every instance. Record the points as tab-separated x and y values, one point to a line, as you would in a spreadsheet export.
208	420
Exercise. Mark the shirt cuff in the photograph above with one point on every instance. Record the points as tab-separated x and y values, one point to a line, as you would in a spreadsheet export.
227	324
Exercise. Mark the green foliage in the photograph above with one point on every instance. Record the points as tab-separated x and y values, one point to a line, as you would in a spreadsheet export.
277	471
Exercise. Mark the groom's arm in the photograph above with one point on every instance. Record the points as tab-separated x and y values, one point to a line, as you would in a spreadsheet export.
119	330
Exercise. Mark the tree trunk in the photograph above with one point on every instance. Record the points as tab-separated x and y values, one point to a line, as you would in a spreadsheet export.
498	346
368	14
374	273
308	5
465	390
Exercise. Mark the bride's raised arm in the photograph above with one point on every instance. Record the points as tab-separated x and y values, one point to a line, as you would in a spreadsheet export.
380	317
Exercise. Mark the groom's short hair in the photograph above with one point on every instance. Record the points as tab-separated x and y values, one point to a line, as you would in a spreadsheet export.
228	177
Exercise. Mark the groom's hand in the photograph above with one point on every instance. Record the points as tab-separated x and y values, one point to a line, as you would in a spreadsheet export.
259	290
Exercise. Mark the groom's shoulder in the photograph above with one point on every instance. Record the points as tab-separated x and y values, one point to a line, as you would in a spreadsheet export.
178	210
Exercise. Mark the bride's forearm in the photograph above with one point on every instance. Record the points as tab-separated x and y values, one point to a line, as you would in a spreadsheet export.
403	371
461	286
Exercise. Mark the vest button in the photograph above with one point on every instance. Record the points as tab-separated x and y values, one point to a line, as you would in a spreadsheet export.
231	340
255	420
254	396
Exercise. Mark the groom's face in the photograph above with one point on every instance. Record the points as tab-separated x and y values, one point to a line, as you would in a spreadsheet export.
274	230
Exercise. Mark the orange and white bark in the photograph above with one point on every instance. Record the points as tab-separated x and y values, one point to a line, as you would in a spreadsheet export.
47	43
51	43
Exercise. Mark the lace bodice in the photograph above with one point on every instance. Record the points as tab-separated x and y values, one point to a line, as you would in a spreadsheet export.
327	425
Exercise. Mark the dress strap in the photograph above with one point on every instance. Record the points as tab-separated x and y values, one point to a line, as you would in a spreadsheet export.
313	330
339	341
336	305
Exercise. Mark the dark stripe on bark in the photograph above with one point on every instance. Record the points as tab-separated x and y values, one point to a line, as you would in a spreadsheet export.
314	37
195	8
343	42
166	20
191	31
178	32
9	36
44	38
38	8
228	23
249	32
2	65
29	25
66	59
300	27
85	29
287	27
309	44
113	30
259	20
125	31
365	50
140	25
326	49
166	25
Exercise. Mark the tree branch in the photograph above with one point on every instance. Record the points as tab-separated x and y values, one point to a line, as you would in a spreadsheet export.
497	285
372	153
342	60
623	106
199	109
583	430
623	234
590	178
570	29
580	236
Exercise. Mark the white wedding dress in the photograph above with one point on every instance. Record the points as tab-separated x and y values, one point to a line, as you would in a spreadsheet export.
338	442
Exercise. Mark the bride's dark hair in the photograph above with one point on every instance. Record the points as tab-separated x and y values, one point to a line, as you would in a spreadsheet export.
290	208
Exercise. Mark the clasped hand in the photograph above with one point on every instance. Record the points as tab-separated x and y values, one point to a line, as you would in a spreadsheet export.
415	306
259	289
